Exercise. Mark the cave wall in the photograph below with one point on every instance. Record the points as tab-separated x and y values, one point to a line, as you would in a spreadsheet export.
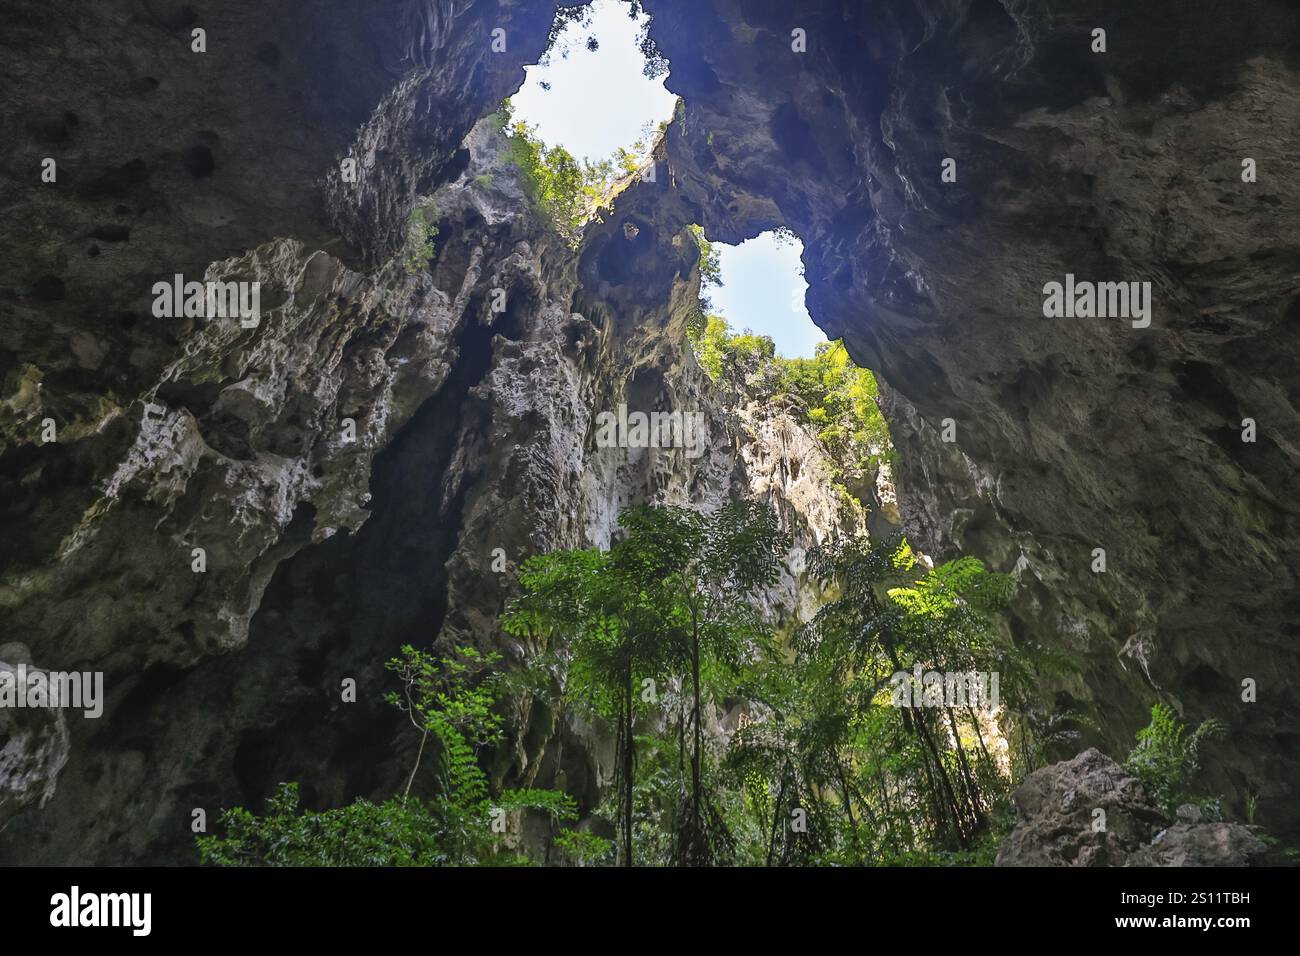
179	433
1071	434
474	449
474	427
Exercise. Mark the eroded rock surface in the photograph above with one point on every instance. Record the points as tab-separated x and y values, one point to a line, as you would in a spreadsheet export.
1089	812
355	468
1070	434
33	740
474	427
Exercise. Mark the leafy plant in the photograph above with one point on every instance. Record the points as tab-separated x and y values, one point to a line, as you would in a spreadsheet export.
421	233
583	847
675	594
398	832
564	189
450	700
878	784
1166	756
834	397
710	266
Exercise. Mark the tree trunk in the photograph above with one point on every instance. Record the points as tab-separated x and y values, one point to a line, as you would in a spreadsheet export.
628	770
697	747
972	791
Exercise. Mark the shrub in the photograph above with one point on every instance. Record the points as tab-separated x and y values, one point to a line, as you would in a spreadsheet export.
1166	756
421	231
451	700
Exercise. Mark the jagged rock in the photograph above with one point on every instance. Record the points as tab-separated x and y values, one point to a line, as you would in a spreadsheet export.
1070	434
474	438
34	742
1203	844
475	427
1060	823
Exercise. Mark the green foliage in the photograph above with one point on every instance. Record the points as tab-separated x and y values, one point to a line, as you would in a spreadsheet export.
421	233
566	33
449	699
1166	757
395	833
879	784
834	397
584	848
841	398
653	633
710	265
875	784
564	189
676	594
723	353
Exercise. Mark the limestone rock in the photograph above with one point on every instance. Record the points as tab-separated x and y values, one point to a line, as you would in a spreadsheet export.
1059	820
1088	812
1204	844
474	427
34	742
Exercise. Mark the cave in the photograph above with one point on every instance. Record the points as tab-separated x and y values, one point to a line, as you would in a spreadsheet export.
243	524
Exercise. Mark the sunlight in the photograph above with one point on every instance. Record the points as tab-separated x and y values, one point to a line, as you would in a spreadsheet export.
590	94
763	290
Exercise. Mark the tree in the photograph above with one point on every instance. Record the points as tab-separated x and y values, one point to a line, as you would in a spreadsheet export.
586	602
710	265
564	189
836	399
876	782
675	592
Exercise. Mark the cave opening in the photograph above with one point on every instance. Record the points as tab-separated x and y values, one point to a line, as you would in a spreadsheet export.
598	91
547	281
758	285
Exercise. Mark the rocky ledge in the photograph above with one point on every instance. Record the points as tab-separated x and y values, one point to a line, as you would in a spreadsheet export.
1089	812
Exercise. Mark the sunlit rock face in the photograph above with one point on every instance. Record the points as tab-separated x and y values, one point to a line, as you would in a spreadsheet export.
324	550
207	155
366	466
1071	434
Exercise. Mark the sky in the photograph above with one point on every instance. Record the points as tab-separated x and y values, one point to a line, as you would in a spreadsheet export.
600	100
763	290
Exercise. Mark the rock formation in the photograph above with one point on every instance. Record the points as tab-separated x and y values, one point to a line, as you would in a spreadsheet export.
326	549
1089	812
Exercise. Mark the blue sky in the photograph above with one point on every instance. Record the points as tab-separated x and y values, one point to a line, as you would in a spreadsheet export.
600	100
763	290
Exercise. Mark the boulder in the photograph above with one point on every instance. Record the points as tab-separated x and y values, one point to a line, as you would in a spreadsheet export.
1089	812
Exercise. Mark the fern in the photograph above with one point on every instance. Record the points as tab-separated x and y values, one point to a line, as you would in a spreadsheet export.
1166	756
450	700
